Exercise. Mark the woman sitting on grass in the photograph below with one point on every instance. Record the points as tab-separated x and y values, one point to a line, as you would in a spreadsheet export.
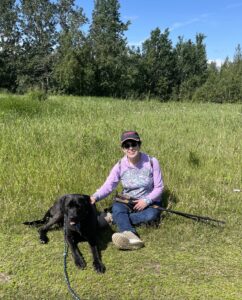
141	178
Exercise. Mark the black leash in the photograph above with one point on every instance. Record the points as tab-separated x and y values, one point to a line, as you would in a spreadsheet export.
189	216
72	292
129	201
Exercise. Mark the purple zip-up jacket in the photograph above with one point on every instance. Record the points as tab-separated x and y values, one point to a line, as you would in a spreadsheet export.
142	181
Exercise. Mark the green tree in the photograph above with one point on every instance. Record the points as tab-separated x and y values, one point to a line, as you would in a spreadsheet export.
209	92
201	58
231	78
71	66
38	41
134	74
238	55
191	65
223	84
108	49
9	43
158	65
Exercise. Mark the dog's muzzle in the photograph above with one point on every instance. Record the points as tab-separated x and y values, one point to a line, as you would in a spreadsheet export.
73	221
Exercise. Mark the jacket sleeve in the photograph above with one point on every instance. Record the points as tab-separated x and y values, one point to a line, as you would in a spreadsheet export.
110	184
155	194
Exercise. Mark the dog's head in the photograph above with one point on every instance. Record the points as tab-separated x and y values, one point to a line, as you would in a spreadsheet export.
76	209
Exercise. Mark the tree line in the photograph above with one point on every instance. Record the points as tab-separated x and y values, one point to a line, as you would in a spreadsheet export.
52	46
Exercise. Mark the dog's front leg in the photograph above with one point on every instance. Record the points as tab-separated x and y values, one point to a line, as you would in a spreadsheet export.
97	263
76	254
44	229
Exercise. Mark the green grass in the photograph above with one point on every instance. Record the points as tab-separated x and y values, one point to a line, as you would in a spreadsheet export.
68	145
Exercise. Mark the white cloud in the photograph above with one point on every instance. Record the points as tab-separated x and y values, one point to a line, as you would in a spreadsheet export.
176	25
218	61
182	24
137	44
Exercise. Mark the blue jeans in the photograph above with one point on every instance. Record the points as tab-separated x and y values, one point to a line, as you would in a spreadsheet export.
125	219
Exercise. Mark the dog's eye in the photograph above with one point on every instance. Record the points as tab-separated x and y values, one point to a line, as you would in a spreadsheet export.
71	204
74	205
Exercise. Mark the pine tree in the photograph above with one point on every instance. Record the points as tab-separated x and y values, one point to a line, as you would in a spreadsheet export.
9	43
192	65
70	70
238	55
159	64
201	58
232	77
108	49
38	41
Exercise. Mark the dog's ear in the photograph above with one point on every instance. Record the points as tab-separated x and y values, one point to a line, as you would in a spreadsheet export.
64	202
85	199
85	203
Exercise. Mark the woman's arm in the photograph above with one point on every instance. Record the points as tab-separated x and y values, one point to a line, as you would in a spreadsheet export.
155	194
109	185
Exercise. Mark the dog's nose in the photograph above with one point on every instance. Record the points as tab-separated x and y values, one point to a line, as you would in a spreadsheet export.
72	220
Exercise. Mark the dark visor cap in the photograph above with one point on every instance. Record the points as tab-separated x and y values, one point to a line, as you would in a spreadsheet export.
130	135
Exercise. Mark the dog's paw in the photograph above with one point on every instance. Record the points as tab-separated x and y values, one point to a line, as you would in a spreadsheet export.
99	267
80	263
43	236
44	239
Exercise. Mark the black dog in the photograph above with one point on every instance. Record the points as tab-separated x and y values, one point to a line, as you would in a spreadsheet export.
79	218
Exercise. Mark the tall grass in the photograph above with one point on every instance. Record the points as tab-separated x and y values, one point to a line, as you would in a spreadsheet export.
68	145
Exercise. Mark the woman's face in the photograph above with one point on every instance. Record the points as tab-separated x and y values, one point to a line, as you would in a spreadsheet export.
131	148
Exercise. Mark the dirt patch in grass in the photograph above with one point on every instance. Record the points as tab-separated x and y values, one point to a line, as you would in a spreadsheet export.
4	278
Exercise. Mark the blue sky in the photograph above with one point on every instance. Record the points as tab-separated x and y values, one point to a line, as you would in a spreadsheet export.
219	20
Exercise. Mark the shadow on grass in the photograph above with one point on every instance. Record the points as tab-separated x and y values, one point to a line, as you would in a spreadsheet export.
105	237
168	201
169	198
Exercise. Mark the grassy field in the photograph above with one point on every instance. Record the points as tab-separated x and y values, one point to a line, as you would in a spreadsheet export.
68	145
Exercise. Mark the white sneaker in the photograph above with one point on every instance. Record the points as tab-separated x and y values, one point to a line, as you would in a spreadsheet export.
127	240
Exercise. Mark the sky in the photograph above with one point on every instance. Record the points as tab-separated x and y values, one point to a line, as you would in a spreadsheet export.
219	20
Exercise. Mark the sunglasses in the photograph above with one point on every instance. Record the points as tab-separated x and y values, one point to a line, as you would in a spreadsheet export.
133	144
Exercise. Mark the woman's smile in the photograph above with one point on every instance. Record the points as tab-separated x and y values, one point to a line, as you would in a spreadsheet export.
132	151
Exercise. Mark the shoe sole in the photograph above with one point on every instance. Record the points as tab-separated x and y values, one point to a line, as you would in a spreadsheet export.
123	243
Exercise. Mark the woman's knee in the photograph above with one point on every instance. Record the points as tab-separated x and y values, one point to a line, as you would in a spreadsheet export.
152	214
119	208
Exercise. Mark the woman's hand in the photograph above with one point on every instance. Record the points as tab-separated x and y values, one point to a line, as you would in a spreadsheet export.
140	204
92	200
